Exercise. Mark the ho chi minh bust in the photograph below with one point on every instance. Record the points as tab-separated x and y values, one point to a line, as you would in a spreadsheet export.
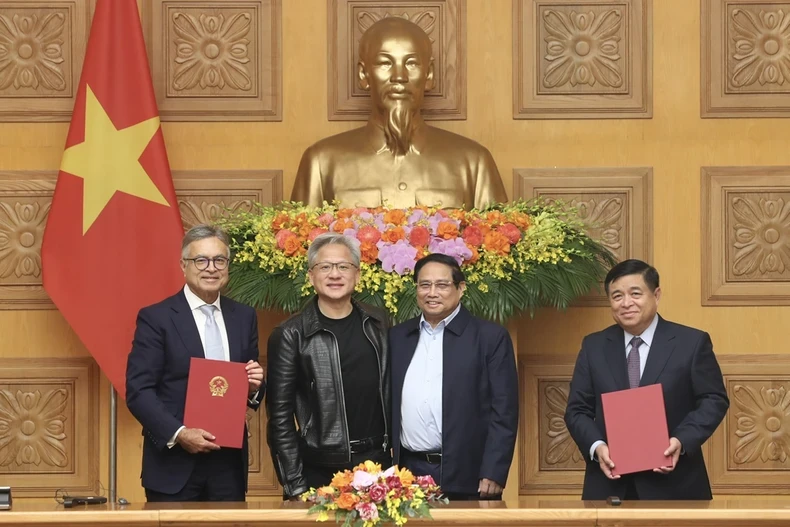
397	158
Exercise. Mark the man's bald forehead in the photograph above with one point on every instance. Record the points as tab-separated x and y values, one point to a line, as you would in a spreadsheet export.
397	26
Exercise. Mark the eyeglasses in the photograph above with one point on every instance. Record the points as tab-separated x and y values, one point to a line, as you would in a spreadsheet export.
342	267
201	262
441	286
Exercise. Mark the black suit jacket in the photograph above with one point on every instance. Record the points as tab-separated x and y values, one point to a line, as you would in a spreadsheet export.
681	359
157	370
479	398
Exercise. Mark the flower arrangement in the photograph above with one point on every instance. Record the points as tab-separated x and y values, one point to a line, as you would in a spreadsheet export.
516	256
367	496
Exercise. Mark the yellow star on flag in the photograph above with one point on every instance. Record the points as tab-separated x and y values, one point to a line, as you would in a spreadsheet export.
108	161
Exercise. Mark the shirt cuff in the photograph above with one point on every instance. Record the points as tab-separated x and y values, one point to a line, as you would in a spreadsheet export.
594	446
172	442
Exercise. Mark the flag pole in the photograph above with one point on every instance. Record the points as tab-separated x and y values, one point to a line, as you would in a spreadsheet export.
113	490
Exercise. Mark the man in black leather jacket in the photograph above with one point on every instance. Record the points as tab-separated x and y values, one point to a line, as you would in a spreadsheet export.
328	367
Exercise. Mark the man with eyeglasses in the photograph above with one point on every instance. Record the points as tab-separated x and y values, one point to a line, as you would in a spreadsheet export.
179	463
454	389
328	400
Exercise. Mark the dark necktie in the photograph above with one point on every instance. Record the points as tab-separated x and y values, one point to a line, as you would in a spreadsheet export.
633	363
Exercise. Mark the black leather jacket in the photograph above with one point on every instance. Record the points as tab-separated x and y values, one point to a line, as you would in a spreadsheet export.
304	380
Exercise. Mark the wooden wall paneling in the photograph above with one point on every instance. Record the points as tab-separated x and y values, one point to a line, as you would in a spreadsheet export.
216	61
445	23
750	451
588	59
549	461
744	70
615	205
746	225
42	46
49	426
25	198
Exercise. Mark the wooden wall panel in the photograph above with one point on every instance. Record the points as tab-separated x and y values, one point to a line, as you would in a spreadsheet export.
48	426
585	59
42	44
746	219
445	23
216	61
745	58
615	205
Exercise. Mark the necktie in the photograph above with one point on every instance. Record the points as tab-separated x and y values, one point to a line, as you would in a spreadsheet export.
633	363
212	346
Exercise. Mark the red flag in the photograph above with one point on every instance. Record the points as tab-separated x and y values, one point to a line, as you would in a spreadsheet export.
113	235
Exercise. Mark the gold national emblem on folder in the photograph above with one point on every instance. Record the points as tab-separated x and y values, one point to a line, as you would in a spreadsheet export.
218	386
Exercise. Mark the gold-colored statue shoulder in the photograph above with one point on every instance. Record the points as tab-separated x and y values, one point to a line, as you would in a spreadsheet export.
218	386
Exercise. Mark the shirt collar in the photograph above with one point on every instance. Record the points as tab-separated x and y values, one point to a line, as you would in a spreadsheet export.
647	334
195	301
441	325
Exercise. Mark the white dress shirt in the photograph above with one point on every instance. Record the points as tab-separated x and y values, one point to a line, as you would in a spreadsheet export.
195	302
644	350
421	400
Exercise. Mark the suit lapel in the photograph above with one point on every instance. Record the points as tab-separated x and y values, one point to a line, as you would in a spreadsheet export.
184	322
660	350
406	353
615	357
231	319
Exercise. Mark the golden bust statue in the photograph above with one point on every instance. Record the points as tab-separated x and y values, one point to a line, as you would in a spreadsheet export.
397	158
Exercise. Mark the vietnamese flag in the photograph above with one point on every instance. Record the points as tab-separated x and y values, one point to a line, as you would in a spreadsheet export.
113	237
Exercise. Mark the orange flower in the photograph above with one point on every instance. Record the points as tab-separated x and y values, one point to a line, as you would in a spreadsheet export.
395	217
422	252
369	253
420	236
342	479
496	242
406	477
325	491
520	220
293	246
282	236
344	214
393	235
459	214
511	231
342	224
447	230
475	255
279	221
368	234
347	501
473	235
315	233
495	217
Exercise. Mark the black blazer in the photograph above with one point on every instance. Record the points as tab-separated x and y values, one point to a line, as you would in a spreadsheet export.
479	398
681	359
157	370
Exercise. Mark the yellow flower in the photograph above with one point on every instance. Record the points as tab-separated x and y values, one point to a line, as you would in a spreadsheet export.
323	516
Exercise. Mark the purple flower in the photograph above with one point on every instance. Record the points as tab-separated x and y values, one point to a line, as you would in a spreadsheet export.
398	256
416	216
434	221
351	233
455	248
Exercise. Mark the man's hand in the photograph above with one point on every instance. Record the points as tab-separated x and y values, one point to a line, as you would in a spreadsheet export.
602	453
254	375
674	450
489	488
196	441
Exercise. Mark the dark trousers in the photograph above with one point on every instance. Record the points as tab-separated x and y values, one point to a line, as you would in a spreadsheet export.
217	476
420	467
321	475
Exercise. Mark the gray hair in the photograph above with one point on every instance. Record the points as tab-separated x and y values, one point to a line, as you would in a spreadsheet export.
331	238
201	232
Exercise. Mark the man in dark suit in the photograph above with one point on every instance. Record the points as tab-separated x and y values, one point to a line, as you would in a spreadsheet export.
643	349
454	389
179	463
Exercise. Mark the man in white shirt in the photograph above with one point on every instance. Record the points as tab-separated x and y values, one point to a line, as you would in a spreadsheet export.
179	463
642	349
454	389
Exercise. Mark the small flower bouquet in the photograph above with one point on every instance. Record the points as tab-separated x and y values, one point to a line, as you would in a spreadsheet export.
516	256
367	496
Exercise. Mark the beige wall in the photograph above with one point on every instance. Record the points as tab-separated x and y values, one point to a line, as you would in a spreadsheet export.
675	142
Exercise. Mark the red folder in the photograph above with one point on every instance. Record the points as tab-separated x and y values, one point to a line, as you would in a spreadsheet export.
636	429
217	400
